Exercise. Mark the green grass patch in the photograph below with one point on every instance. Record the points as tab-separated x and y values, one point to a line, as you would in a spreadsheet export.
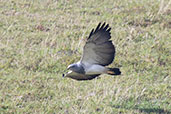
39	39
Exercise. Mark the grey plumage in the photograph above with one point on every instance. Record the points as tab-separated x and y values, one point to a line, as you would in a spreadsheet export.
98	52
99	48
77	68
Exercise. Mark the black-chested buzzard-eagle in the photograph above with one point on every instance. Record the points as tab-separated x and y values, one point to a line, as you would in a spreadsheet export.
98	52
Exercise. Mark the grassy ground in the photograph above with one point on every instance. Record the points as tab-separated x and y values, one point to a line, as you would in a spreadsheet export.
39	38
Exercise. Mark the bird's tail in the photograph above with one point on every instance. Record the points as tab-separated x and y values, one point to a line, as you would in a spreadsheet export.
113	71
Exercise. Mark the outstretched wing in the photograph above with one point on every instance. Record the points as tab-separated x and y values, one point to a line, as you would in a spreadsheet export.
99	48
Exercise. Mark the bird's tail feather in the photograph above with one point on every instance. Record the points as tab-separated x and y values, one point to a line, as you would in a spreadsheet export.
114	71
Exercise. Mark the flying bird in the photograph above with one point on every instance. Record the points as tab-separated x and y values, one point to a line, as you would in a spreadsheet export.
98	53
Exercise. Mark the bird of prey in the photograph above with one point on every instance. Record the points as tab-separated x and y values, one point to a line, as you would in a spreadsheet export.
98	52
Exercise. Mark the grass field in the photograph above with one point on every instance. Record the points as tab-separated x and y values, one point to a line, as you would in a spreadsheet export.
40	38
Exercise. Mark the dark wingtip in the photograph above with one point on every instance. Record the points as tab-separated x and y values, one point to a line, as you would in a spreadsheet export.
92	31
97	28
106	26
100	27
108	30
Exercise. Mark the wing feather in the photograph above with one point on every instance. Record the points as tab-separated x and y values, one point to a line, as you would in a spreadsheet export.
99	49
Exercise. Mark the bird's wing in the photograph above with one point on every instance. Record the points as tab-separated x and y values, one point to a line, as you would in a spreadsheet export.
99	49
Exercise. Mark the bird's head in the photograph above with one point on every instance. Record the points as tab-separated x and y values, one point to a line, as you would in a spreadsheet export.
72	67
71	73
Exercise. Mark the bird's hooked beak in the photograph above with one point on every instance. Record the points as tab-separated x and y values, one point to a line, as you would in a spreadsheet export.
67	74
70	72
68	68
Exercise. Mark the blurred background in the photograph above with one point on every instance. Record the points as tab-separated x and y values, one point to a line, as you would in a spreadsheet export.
40	38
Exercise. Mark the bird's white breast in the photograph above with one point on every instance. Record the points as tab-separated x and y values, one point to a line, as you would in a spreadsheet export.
94	69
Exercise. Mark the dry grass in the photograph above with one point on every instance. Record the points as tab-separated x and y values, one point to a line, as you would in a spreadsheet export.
40	38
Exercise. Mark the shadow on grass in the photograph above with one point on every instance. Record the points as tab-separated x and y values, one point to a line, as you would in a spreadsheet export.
146	110
145	106
154	110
